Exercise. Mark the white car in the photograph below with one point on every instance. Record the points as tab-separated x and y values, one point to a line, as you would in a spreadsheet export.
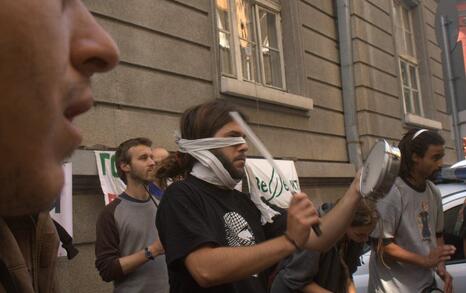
453	196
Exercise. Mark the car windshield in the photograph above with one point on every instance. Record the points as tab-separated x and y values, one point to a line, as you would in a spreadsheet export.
452	185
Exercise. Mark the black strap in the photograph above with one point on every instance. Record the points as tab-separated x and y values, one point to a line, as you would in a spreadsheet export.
146	187
6	279
66	240
151	196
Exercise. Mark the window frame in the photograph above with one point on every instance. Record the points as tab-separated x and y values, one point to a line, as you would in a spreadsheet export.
453	209
411	58
403	57
410	88
279	43
232	45
256	5
292	95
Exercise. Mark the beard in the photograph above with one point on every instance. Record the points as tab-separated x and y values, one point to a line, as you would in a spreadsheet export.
142	177
434	175
235	173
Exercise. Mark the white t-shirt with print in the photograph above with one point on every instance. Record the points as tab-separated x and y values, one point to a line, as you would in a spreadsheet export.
412	218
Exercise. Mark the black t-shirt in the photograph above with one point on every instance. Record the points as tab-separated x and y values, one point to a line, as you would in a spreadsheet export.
194	213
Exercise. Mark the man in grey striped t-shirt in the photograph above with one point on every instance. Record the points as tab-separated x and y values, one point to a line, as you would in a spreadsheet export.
128	250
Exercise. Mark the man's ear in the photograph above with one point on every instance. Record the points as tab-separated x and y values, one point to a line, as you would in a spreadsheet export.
125	167
415	158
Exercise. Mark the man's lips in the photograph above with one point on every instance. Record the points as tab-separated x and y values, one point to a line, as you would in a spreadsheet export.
78	101
240	160
78	107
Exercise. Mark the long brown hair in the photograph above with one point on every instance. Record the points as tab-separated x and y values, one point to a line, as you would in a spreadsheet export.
366	214
201	121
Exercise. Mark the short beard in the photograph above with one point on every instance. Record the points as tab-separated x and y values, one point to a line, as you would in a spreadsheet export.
434	175
228	165
137	178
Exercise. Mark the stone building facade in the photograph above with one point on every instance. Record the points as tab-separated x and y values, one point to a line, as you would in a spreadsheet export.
320	81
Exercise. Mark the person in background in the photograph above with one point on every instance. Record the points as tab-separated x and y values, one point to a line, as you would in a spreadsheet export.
409	246
127	248
158	185
49	51
331	271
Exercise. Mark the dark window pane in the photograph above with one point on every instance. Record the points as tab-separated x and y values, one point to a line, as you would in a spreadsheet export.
223	21
225	53
272	68
268	29
245	19
249	61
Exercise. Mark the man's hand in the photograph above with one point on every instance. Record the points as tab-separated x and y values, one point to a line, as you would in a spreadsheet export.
355	184
446	277
133	261
301	216
156	248
438	254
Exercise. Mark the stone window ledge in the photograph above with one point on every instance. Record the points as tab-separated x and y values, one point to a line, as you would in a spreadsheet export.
419	121
254	91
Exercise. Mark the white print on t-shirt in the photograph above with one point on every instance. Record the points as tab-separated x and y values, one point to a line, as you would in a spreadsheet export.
238	231
423	219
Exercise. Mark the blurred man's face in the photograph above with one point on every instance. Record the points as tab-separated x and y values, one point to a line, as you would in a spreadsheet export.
141	167
360	234
48	52
431	163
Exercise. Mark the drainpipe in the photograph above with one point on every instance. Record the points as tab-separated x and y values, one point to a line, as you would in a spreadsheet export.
454	112
347	80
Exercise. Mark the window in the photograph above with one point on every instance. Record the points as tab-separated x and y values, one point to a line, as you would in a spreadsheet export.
453	222
250	44
408	62
410	82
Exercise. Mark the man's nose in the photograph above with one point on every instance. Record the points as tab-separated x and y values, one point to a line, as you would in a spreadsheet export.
151	162
243	147
92	49
440	163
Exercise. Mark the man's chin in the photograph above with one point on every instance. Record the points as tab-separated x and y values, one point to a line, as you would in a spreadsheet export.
434	175
239	174
25	208
42	193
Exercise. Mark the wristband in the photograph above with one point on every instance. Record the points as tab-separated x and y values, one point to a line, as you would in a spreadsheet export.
291	240
148	254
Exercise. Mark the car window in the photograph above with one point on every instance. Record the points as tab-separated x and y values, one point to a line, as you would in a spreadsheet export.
453	221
